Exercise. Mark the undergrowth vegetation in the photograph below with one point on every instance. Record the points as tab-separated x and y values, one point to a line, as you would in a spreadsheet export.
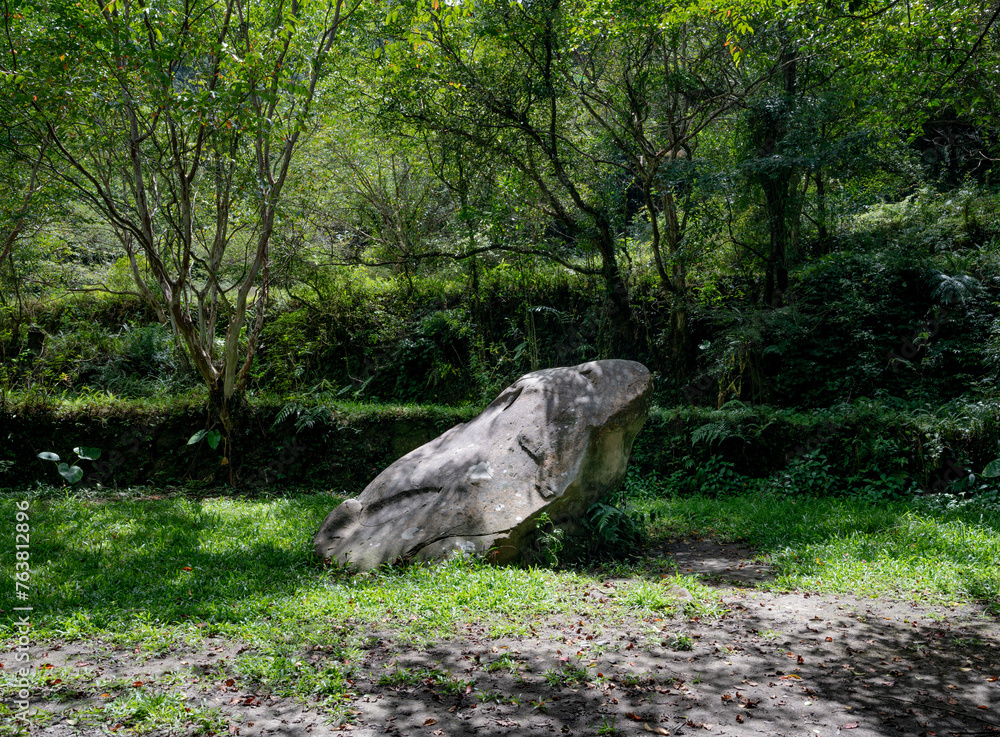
903	312
877	372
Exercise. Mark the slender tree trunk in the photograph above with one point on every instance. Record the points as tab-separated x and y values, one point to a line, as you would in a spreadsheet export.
680	339
620	330
779	189
776	194
821	215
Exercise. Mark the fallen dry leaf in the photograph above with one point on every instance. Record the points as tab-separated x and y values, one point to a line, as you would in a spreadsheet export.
654	730
851	725
633	715
430	722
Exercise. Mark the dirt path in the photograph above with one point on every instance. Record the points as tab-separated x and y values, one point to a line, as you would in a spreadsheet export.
778	664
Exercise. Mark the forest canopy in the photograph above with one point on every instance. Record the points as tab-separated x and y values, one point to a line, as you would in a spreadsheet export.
422	200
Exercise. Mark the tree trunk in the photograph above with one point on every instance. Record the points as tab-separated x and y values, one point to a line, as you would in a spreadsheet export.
680	339
229	413
823	227
674	282
776	196
778	185
619	331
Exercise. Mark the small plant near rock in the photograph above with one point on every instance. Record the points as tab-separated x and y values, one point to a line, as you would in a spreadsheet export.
612	531
73	473
550	540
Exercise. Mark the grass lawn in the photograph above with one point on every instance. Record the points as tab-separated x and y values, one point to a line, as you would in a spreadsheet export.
921	548
154	574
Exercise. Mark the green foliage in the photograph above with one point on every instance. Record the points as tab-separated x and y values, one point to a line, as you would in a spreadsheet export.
432	677
212	438
549	541
734	421
306	416
868	448
711	477
566	675
609	531
809	473
146	710
607	727
429	363
326	683
73	474
679	642
941	547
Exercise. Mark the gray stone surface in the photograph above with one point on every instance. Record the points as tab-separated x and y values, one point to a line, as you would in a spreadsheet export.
555	441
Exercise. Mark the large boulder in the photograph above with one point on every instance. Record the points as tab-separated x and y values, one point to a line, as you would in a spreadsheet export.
555	441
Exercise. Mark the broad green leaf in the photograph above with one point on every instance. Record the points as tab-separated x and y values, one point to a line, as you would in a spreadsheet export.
49	457
197	437
88	454
213	439
70	473
992	469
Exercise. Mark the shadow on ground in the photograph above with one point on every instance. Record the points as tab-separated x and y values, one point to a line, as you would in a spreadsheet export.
778	664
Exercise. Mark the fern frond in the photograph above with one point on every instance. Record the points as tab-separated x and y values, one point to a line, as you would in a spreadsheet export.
290	409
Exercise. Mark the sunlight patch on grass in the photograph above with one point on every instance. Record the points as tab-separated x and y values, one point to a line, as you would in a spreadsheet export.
160	574
851	545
